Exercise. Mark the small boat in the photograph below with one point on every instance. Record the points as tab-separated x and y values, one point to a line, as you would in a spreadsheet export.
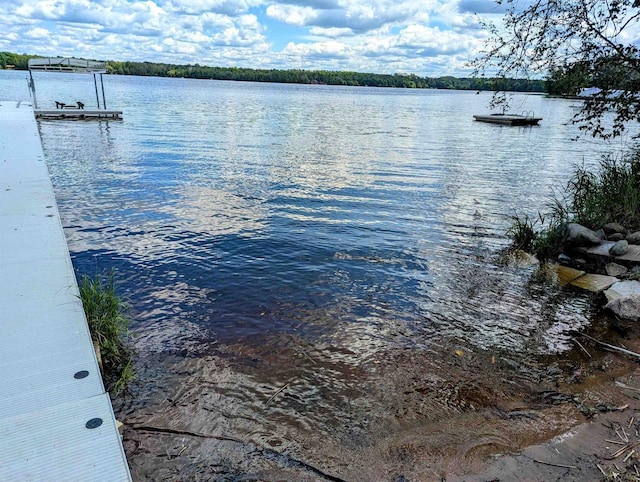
524	119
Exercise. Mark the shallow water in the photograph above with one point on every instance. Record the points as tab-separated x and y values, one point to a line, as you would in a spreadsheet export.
342	243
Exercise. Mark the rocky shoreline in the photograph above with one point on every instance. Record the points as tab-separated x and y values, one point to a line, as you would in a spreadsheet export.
606	446
604	262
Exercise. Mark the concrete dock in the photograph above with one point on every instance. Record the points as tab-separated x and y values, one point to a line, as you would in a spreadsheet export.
56	420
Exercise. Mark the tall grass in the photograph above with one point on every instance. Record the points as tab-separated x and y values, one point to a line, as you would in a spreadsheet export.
609	194
109	328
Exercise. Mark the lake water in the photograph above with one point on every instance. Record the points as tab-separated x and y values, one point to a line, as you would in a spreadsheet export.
342	243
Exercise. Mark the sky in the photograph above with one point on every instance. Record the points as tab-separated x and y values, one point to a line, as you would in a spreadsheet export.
423	37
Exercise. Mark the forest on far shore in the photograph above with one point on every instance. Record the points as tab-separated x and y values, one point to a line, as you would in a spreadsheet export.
10	60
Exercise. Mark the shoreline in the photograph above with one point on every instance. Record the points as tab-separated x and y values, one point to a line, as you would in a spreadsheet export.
585	451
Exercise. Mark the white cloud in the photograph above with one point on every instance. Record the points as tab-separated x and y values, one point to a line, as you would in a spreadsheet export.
331	32
292	14
420	36
330	49
357	15
226	7
38	33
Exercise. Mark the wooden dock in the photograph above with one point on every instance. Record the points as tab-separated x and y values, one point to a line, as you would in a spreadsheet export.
78	114
56	420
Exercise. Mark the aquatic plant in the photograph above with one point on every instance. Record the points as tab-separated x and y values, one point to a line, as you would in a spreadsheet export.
109	328
522	233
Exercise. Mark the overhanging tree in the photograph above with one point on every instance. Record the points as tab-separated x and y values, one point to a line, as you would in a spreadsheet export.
597	38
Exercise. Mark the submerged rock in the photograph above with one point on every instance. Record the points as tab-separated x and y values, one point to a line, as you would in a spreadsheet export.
620	248
626	307
519	258
576	235
566	275
613	228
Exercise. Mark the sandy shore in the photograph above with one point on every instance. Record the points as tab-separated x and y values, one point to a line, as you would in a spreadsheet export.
607	444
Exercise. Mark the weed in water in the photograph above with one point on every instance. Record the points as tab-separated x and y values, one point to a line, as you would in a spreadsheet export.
522	233
108	327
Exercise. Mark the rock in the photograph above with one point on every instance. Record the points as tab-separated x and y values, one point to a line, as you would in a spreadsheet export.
564	259
634	238
615	269
594	282
623	289
520	259
632	256
601	249
615	237
580	262
627	307
620	248
611	228
566	275
576	235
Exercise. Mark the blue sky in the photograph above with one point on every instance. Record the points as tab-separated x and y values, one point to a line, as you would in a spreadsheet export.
425	37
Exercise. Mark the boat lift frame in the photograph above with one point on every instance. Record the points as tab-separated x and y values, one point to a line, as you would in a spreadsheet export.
71	65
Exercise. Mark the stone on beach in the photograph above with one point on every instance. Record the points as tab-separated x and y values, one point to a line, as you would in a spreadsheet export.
634	238
626	307
613	228
615	269
594	282
577	235
632	255
620	248
623	289
601	249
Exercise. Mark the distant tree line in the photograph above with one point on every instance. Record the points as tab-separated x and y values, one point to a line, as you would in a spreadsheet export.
296	76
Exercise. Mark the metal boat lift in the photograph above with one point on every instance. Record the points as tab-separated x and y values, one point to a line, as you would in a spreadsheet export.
72	65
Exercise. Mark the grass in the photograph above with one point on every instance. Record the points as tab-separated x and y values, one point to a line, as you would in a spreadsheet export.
592	199
109	328
612	194
522	233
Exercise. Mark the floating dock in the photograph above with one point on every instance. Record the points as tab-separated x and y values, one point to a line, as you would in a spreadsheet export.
509	119
56	420
78	114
